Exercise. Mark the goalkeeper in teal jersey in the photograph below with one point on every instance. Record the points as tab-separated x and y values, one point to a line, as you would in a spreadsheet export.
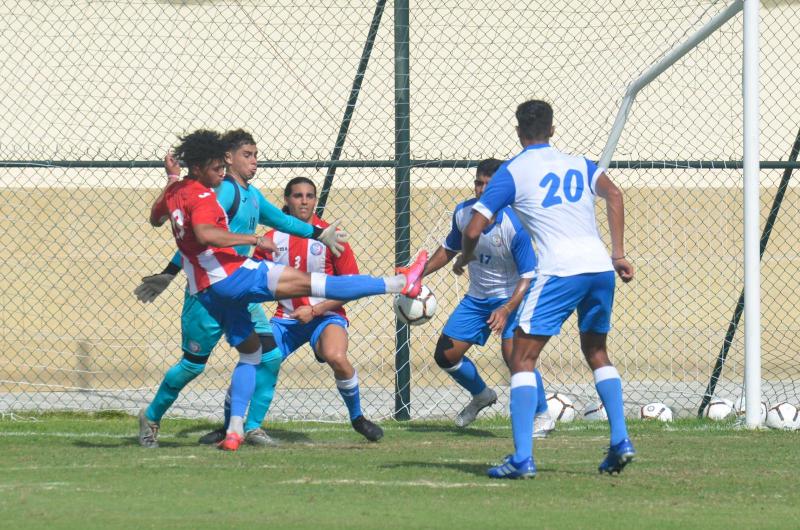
246	208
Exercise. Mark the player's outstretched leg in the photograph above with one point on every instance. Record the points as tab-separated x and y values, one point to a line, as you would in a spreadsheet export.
176	378
543	423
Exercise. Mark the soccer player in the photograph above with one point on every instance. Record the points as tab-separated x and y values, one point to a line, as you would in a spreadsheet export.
226	282
553	194
498	280
316	321
245	207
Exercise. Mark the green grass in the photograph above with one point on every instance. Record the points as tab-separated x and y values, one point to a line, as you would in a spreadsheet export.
87	471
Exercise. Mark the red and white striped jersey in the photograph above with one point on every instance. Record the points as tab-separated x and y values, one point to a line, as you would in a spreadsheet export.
309	255
189	203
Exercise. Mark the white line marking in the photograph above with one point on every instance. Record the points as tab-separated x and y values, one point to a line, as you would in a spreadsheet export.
406	483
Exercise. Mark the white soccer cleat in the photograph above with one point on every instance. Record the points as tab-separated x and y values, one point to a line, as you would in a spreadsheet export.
479	402
543	424
148	431
258	437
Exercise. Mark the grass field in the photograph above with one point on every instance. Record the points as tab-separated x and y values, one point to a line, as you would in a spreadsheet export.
87	471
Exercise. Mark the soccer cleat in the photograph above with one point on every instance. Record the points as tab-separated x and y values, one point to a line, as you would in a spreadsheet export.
618	457
413	274
148	431
543	424
214	437
232	442
258	437
486	398
512	470
367	429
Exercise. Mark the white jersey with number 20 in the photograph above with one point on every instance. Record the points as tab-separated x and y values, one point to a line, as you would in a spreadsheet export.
553	196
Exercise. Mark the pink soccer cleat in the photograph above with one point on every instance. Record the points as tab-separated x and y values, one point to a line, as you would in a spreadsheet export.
413	274
232	442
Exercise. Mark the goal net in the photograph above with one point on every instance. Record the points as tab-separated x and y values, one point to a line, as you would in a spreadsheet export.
95	92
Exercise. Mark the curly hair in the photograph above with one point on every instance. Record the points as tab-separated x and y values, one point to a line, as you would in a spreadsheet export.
200	147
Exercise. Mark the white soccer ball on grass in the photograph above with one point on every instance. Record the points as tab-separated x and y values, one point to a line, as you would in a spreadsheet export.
595	412
783	416
415	311
655	411
718	409
561	407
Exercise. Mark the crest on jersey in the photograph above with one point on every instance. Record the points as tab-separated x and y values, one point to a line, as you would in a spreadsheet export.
316	248
497	240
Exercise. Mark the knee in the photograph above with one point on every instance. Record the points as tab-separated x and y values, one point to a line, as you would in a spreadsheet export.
443	345
192	369
338	361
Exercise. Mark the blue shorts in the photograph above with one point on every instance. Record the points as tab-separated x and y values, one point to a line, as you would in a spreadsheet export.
290	334
468	321
200	332
552	299
228	301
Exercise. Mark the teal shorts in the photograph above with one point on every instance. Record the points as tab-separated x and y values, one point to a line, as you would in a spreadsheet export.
200	332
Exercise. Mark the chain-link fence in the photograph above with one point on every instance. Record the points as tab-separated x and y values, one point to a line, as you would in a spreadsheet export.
95	92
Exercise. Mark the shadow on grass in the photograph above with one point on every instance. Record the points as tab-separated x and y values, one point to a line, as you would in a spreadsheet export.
123	443
469	468
450	429
284	436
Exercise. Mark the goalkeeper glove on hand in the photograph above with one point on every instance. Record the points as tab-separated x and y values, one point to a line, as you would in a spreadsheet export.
332	238
152	286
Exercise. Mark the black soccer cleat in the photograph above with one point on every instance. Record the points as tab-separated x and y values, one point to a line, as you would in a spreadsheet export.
214	437
367	429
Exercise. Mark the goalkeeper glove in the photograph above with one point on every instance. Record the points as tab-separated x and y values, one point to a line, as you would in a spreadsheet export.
331	238
152	286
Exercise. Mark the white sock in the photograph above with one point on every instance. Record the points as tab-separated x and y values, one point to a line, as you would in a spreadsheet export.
394	284
236	425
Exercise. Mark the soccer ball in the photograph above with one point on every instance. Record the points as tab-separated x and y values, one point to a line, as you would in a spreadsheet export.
718	409
739	408
783	416
415	311
655	411
595	411
561	407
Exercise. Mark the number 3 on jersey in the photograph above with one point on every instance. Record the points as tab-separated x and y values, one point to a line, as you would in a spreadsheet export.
178	227
571	187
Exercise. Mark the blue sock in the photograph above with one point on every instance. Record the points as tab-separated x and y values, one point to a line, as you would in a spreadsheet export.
243	382
174	381
466	374
523	408
346	287
227	408
266	379
609	388
348	389
541	398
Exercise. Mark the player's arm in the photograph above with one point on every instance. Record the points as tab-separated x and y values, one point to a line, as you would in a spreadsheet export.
439	259
615	211
214	236
271	215
159	214
498	194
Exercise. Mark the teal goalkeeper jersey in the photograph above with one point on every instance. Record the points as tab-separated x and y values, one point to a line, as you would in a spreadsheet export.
253	210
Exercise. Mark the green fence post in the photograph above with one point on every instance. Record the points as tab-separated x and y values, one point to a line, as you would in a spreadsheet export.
402	199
